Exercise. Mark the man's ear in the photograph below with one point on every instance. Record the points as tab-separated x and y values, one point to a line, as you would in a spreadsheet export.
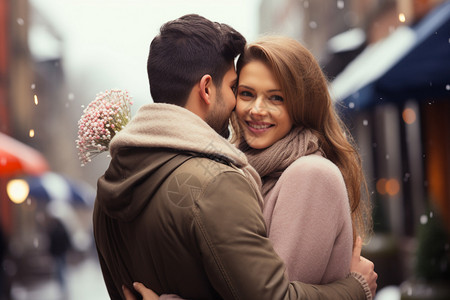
205	88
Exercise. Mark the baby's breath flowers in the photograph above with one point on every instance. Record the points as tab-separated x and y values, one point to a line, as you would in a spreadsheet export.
101	120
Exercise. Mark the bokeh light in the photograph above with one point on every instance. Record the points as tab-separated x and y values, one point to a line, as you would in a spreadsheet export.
381	186
389	187
392	187
409	116
17	190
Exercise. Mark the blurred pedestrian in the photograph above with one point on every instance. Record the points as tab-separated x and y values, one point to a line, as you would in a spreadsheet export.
59	246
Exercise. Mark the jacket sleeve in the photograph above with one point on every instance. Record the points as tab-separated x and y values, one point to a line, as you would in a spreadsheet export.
237	255
311	223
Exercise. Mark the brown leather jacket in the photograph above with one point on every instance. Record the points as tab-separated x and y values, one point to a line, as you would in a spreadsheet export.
191	225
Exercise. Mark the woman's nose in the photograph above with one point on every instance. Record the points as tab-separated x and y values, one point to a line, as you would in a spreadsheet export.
258	106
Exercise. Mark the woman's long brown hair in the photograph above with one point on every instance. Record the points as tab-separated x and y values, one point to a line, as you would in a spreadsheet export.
309	104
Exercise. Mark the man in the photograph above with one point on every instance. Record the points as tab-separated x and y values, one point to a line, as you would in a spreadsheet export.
179	207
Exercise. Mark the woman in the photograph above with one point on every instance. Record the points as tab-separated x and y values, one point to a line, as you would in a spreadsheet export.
286	124
311	173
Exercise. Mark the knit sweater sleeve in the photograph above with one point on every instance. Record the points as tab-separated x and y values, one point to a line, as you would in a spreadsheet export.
309	221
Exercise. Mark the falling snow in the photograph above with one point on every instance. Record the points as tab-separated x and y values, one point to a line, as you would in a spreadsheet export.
71	96
447	87
340	4
20	21
365	122
312	25
423	219
33	86
351	105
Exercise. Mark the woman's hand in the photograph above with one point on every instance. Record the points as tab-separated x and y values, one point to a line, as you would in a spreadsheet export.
364	267
147	294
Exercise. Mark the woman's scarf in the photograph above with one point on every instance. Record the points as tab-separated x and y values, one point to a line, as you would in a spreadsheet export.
272	161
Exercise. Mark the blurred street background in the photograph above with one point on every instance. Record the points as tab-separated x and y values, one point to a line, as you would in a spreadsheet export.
388	64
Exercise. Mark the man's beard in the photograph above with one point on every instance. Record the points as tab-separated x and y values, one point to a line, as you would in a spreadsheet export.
225	132
218	118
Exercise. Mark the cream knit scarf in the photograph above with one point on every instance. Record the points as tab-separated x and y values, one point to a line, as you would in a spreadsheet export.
272	161
159	125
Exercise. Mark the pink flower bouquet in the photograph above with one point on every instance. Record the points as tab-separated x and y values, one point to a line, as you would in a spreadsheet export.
101	120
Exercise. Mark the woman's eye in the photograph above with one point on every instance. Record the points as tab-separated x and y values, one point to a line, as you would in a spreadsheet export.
276	98
245	95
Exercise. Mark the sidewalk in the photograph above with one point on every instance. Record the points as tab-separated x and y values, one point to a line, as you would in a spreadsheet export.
84	282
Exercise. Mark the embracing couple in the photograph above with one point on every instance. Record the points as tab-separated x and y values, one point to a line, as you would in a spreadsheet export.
271	212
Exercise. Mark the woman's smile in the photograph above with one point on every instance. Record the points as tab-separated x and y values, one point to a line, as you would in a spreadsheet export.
258	127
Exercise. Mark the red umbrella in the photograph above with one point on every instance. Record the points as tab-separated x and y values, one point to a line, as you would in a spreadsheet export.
18	158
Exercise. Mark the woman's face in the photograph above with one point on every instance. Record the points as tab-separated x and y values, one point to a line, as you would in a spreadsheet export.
260	107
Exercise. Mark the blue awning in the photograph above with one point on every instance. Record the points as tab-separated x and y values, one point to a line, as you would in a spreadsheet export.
413	63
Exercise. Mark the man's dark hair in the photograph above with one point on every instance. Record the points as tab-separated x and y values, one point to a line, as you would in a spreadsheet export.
186	49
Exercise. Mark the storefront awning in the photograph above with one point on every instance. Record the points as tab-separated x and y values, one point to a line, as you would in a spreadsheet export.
412	63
